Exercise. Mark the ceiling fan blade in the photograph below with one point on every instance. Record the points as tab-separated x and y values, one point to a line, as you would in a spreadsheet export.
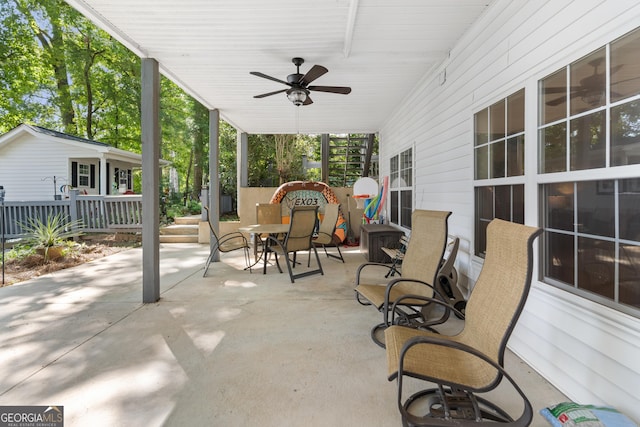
270	93
315	72
264	76
331	89
307	101
557	101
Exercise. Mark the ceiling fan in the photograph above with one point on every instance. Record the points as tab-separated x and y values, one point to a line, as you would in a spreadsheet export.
299	88
591	89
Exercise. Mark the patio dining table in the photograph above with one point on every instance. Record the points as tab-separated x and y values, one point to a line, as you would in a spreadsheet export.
258	230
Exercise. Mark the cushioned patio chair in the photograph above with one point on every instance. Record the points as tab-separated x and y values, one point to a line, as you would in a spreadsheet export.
327	229
226	243
420	266
473	360
299	238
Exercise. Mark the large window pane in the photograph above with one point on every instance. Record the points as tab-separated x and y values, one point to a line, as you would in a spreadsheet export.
407	208
588	82
588	141
596	203
503	202
484	215
625	134
553	141
518	204
496	114
515	113
484	203
629	201
625	66
559	263
553	96
497	160
596	266
559	206
481	127
395	206
630	275
482	162
515	156
393	172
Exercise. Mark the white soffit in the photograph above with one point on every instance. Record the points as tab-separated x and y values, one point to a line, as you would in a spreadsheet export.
380	49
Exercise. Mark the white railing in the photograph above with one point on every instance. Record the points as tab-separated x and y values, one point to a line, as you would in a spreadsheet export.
99	214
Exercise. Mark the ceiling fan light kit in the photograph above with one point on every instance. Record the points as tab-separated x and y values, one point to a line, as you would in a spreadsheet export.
297	96
299	90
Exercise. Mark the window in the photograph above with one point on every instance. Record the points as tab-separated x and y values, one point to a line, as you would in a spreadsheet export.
589	118
592	238
83	175
501	201
401	188
499	155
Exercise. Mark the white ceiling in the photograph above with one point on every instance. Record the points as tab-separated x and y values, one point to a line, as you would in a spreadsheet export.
381	49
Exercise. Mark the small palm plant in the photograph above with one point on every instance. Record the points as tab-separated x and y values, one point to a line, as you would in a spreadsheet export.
52	232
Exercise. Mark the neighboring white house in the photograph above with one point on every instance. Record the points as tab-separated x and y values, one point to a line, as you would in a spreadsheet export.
42	164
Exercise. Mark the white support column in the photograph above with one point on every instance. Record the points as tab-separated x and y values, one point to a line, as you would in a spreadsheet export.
150	180
214	175
242	159
104	177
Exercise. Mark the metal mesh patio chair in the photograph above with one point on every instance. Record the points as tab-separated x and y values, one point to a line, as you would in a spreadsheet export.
472	361
298	238
420	267
226	243
327	229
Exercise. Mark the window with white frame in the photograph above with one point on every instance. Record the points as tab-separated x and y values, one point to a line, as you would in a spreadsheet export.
589	119
401	188
499	165
83	175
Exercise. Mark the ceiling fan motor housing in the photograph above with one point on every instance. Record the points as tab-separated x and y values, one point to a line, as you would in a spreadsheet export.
299	90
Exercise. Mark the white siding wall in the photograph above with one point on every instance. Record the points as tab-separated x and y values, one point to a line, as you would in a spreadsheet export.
591	353
26	161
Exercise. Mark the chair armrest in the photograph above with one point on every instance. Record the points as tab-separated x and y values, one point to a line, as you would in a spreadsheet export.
369	264
233	236
398	301
448	307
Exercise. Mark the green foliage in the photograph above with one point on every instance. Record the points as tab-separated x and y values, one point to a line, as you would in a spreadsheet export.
19	252
62	72
266	170
53	231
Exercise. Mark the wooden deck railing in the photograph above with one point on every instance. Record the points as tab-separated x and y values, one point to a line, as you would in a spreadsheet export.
99	214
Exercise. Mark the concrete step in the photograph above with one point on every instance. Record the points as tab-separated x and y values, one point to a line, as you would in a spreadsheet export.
188	220
178	238
174	229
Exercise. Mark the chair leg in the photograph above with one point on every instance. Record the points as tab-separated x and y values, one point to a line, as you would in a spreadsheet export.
286	257
330	255
247	258
317	259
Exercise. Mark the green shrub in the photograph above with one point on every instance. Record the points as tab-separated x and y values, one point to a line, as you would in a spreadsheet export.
51	232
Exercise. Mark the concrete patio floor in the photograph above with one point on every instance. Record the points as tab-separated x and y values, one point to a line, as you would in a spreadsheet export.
231	349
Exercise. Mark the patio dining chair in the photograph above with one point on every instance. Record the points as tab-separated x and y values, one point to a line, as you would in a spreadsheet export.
226	243
266	213
472	361
298	238
420	267
327	229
